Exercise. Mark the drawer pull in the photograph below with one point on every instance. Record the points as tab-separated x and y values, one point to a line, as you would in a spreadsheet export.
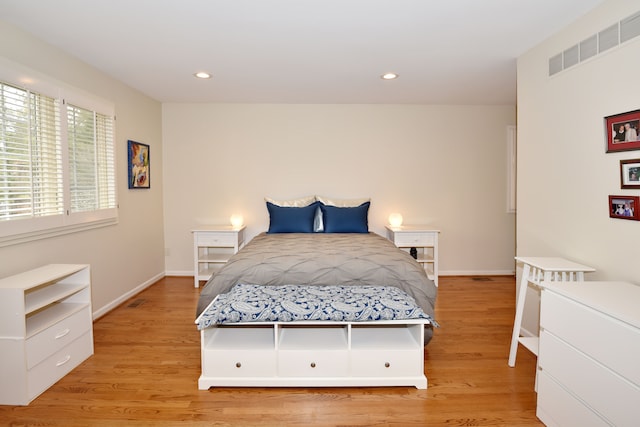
313	364
63	361
387	364
238	365
62	334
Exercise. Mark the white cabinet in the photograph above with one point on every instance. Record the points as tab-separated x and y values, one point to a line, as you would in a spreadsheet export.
308	354
425	242
46	329
212	247
588	354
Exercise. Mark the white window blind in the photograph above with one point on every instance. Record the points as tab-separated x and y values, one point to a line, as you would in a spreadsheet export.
30	155
91	160
57	166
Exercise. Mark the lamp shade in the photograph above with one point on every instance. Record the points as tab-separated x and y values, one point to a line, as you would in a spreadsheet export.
395	220
236	220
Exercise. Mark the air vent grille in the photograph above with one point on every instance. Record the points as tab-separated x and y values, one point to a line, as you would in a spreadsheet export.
555	64
610	37
589	47
571	56
630	27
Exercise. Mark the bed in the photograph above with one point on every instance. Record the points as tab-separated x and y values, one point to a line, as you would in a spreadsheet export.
381	348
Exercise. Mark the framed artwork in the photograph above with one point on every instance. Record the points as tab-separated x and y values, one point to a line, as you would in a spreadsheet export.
622	131
138	161
630	173
624	207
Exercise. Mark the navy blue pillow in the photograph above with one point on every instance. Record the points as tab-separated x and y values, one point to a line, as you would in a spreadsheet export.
291	219
346	220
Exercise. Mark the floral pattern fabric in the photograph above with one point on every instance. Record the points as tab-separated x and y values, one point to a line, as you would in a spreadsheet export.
290	303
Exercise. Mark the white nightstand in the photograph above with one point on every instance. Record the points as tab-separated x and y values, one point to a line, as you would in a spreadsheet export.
212	247
424	239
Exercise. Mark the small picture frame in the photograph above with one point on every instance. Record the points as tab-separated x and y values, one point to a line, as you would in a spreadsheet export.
624	207
139	165
623	131
630	173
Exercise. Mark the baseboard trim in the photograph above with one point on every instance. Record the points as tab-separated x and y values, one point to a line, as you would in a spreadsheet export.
477	273
179	273
122	298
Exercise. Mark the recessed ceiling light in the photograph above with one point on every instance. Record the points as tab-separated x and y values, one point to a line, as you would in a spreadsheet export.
389	76
202	75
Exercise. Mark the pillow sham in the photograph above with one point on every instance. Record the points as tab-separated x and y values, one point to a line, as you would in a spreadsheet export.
318	222
293	203
289	219
343	203
346	219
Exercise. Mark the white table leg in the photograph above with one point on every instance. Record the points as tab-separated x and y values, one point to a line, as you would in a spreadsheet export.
522	292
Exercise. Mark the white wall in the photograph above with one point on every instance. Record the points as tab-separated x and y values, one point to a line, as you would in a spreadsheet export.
564	174
123	257
444	166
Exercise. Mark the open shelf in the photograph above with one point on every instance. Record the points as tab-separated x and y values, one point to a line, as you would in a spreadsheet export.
321	337
45	318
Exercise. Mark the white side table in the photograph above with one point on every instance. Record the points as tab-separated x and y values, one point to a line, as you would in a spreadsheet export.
212	247
424	239
535	270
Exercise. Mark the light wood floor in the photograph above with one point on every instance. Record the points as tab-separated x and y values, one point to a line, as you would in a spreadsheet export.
147	359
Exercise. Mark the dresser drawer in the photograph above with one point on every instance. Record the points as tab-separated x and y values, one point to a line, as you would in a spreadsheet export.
239	363
56	366
52	339
216	239
386	363
610	395
558	408
413	239
313	363
613	343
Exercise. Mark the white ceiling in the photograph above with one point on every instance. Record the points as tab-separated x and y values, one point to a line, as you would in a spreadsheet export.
302	51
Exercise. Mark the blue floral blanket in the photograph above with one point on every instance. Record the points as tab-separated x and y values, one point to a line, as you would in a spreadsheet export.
289	303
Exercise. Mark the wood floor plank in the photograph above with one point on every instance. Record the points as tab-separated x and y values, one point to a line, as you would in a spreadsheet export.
147	362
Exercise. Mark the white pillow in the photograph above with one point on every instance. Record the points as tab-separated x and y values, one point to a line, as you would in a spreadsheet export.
342	203
294	203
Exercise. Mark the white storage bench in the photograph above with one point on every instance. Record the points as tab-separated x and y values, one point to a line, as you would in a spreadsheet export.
314	354
312	336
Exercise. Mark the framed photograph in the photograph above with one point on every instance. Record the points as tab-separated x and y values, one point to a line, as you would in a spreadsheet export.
630	173
624	207
138	161
622	131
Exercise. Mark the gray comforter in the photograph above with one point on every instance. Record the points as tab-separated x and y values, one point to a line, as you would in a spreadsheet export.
322	259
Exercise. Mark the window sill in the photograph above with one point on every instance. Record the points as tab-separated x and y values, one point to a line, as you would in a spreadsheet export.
17	239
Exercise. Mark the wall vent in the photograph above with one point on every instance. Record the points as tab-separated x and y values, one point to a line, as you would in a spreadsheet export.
555	64
630	27
589	47
610	37
571	56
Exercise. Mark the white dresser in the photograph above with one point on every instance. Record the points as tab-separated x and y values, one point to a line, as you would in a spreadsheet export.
46	329
589	355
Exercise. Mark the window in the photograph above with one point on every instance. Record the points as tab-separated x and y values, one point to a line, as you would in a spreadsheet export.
30	155
91	160
57	166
